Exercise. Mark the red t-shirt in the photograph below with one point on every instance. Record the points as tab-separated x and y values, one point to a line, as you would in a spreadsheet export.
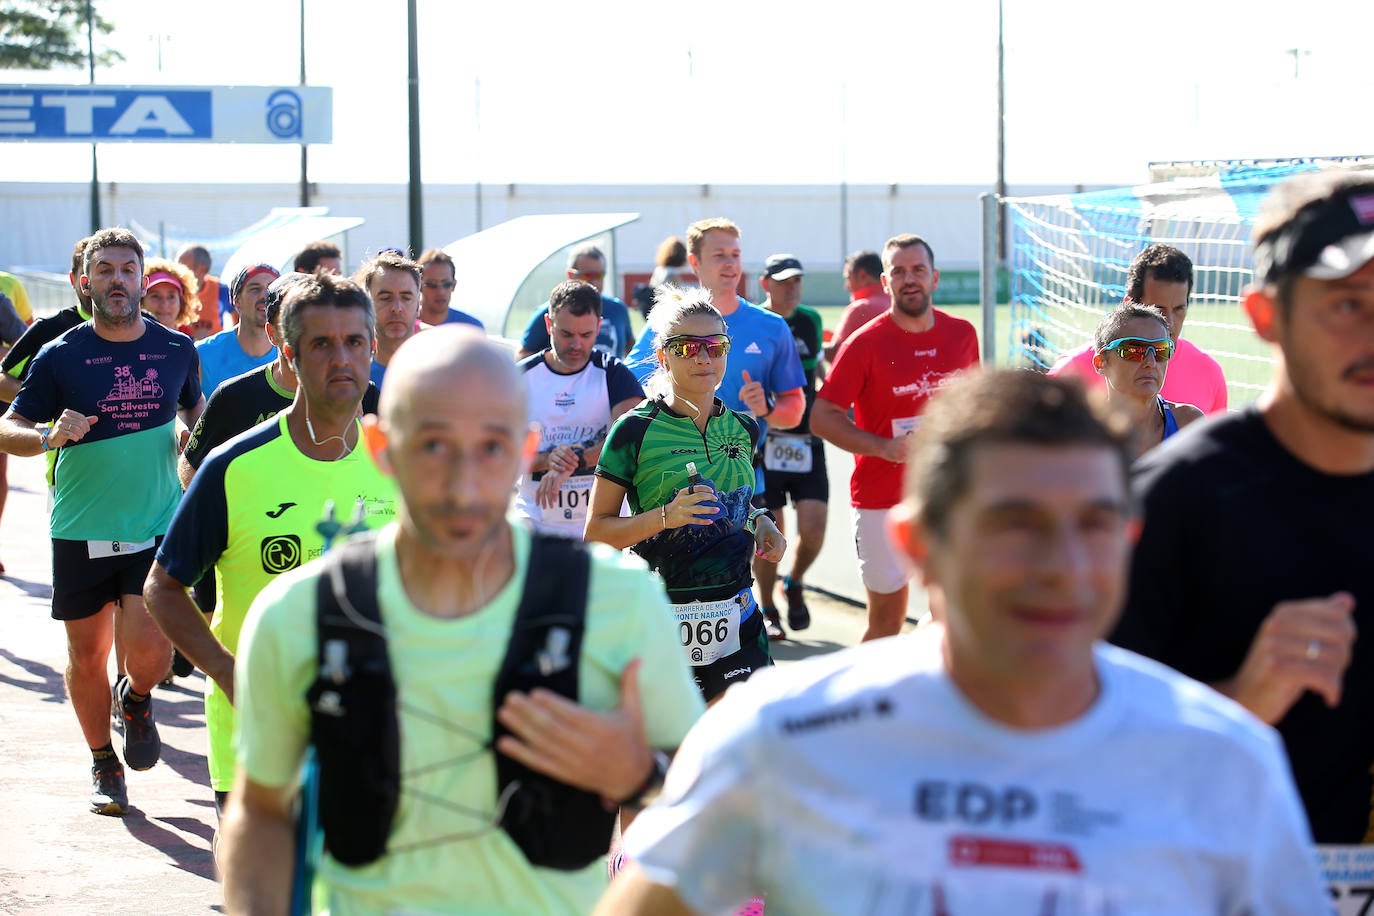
887	374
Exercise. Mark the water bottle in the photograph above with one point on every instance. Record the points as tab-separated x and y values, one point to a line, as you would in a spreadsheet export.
694	480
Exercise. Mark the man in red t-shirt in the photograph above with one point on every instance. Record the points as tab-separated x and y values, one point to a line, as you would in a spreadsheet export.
863	278
886	371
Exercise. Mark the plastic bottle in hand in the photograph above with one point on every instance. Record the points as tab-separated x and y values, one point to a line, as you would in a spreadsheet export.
694	480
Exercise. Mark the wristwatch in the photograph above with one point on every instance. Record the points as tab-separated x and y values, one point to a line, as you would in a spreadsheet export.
652	786
44	431
752	523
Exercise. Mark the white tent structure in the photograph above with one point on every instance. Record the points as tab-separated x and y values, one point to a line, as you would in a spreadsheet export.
285	231
493	266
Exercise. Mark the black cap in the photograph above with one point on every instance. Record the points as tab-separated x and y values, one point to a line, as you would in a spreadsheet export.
782	267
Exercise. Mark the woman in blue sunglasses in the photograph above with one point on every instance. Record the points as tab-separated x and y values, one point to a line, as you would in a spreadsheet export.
1132	349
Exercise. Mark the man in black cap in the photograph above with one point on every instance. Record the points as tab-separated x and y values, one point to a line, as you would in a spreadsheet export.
793	459
1247	575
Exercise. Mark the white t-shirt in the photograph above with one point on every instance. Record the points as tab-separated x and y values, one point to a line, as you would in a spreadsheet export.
571	410
865	783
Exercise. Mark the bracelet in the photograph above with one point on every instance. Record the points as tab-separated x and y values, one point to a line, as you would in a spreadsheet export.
664	507
44	432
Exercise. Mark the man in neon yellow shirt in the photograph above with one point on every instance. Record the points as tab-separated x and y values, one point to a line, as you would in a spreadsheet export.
10	286
449	577
252	508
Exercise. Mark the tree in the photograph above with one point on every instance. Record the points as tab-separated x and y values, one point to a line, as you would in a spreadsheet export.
44	34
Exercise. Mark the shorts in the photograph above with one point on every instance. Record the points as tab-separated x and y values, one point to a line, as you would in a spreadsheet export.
883	568
713	679
814	484
82	584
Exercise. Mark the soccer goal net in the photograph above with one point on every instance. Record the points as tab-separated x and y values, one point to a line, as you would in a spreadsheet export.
1070	254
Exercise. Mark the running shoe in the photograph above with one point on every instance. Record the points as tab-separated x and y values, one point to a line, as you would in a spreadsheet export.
181	665
772	624
142	746
108	794
798	615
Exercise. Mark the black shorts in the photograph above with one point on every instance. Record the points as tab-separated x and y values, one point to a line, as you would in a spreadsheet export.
713	679
81	586
814	484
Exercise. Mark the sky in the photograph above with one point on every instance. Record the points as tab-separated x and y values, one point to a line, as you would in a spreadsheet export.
864	91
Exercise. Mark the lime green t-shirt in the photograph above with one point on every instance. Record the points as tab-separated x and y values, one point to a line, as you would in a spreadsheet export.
251	512
444	672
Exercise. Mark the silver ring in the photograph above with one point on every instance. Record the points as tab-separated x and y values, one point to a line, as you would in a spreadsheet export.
1314	648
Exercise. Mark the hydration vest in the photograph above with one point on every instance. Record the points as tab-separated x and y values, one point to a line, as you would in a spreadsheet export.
355	729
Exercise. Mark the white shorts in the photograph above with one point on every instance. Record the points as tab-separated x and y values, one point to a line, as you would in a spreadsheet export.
883	568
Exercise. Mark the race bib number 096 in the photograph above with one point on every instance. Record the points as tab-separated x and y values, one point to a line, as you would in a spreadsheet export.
708	630
787	453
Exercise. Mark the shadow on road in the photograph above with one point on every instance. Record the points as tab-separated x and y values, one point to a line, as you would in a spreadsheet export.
32	589
194	859
790	650
49	679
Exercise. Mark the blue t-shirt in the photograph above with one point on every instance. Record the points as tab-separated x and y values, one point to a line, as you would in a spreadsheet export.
378	373
457	317
615	329
221	358
119	483
760	343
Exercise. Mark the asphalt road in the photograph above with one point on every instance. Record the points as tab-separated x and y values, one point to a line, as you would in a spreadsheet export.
55	856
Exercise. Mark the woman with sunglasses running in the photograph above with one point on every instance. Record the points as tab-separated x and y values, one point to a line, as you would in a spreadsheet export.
1131	351
700	538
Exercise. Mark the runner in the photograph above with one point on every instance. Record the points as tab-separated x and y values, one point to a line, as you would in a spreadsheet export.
450	575
111	391
764	374
615	336
393	282
702	538
575	393
1005	762
439	275
1162	276
14	368
1252	573
171	296
251	512
794	459
886	372
243	402
1132	351
245	346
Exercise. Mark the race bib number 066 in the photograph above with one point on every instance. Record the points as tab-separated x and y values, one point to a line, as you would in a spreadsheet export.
708	630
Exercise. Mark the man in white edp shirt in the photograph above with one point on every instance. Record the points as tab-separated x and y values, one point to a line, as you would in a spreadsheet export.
575	394
1005	759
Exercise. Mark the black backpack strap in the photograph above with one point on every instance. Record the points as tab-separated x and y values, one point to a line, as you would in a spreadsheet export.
353	720
554	824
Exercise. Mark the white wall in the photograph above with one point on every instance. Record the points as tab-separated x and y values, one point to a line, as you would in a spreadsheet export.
39	222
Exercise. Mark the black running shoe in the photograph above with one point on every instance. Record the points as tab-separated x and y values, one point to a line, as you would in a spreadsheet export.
798	614
181	665
142	746
108	794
